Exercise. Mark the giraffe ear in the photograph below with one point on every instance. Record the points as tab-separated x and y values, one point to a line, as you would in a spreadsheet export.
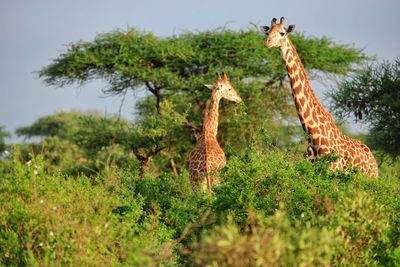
209	86
290	28
264	29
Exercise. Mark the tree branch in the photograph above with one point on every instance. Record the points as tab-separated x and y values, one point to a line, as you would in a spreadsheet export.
144	159
156	91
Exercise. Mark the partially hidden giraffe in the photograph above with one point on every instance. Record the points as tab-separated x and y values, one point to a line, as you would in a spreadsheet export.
323	135
207	156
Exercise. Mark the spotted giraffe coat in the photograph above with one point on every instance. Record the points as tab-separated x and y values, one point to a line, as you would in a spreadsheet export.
323	135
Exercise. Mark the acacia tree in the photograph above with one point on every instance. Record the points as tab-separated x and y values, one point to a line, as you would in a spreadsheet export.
372	95
175	68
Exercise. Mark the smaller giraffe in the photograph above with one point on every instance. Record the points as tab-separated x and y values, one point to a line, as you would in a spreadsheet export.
323	135
207	156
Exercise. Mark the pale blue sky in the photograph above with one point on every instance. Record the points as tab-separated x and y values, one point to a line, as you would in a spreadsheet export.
34	32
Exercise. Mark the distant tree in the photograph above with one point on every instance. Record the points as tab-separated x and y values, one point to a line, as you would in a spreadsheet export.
61	124
83	135
372	95
65	143
174	69
3	135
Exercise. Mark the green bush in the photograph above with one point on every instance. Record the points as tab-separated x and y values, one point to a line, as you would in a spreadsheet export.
271	241
305	214
363	226
361	213
262	179
355	232
58	220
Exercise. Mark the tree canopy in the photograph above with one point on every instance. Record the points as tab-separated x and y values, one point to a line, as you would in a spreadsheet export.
132	59
372	95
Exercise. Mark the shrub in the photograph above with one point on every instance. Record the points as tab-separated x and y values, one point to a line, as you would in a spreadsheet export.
306	214
264	241
262	179
363	226
57	220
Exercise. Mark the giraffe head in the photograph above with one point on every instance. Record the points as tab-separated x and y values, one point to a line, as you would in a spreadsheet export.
224	88
276	34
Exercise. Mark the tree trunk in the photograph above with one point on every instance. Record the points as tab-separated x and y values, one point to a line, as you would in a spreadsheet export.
173	166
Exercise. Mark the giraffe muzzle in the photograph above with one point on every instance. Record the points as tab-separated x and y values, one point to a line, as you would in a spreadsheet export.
268	44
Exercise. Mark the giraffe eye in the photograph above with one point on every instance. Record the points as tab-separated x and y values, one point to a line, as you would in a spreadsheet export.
282	33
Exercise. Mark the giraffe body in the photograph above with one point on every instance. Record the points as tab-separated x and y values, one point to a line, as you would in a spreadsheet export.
323	135
207	156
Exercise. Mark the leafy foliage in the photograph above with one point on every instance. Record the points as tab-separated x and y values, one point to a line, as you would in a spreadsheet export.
373	96
84	135
270	208
74	142
56	220
3	135
264	241
129	59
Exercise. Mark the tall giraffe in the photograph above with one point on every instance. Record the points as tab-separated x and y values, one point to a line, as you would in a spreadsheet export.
207	155
323	135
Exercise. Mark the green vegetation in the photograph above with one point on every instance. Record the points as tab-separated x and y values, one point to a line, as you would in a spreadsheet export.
104	191
3	135
271	208
372	95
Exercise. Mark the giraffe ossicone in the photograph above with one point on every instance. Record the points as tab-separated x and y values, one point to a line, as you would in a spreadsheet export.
207	157
323	135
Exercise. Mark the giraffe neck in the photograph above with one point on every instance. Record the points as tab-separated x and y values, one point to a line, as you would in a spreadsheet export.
309	110
210	123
